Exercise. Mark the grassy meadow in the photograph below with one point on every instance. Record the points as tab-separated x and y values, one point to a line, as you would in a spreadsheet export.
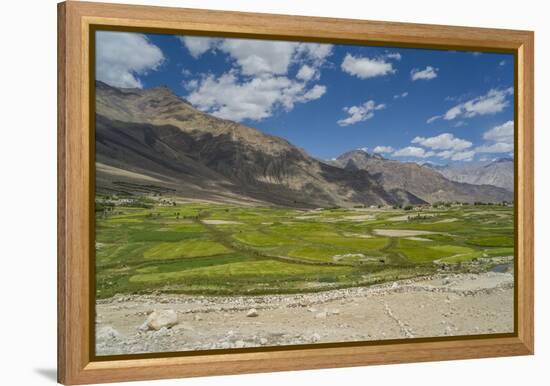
146	245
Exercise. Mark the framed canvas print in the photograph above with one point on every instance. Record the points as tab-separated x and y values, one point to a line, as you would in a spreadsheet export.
248	192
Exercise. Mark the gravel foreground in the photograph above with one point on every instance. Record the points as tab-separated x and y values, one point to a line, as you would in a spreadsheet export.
440	305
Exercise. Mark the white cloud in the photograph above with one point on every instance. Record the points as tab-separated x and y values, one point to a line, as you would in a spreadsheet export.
412	151
502	137
491	103
393	55
306	72
433	119
402	95
256	57
463	155
229	97
258	83
446	154
364	67
501	133
384	149
499	147
360	113
426	74
315	92
259	57
121	57
198	45
315	52
443	142
467	155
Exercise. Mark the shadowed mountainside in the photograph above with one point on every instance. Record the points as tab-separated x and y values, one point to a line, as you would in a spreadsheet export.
153	140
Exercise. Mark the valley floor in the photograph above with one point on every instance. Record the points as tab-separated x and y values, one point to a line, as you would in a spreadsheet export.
438	305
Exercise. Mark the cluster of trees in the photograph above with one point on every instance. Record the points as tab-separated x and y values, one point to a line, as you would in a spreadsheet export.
502	203
419	217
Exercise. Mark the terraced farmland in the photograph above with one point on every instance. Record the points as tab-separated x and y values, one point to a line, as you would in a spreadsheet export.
147	246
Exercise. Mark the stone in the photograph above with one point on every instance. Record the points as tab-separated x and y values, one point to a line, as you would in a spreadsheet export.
107	333
159	319
321	315
252	313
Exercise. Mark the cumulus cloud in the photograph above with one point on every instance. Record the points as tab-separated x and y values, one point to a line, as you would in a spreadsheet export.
364	67
384	149
443	142
498	147
229	97
467	155
198	45
413	151
501	133
315	52
360	113
491	103
259	82
306	73
464	155
501	139
121	57
259	57
426	74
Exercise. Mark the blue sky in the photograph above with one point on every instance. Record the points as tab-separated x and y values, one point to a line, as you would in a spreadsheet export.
408	104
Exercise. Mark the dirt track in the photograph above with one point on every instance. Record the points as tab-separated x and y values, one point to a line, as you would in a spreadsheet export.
442	305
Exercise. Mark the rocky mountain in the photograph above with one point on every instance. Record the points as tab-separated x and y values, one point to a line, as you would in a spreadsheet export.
423	182
150	140
498	172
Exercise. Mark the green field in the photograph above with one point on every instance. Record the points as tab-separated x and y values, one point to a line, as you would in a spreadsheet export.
146	245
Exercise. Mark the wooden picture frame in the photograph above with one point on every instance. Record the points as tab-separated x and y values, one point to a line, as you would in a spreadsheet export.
76	20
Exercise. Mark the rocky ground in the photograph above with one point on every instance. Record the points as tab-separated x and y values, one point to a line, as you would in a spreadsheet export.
441	305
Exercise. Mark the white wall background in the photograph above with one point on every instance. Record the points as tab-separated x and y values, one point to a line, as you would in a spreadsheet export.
28	190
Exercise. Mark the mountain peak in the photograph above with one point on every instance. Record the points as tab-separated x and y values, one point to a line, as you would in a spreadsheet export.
358	154
162	91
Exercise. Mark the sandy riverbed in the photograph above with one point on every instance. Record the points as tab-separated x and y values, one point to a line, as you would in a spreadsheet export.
442	305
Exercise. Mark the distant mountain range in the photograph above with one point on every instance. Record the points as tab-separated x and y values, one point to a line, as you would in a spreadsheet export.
499	172
427	183
150	140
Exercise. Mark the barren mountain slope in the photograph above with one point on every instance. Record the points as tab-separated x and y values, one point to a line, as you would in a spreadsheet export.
423	182
155	133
